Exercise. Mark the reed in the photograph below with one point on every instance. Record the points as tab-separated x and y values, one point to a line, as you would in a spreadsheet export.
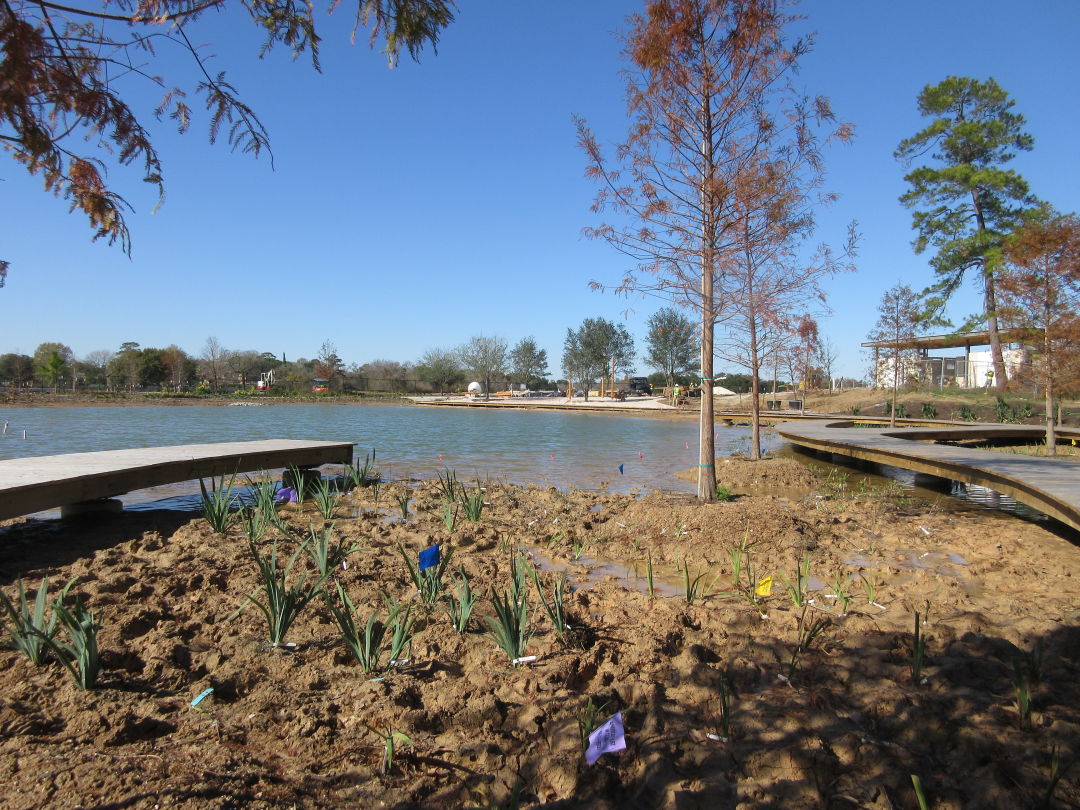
450	515
918	652
472	504
403	504
326	499
365	646
694	587
447	484
554	607
389	739
326	554
587	720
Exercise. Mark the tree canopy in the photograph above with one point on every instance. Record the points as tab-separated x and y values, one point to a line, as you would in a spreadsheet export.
671	343
966	202
65	69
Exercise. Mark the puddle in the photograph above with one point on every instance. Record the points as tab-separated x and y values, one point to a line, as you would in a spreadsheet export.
596	508
596	569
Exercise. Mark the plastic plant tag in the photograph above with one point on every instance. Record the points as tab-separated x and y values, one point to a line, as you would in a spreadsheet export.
203	694
528	659
606	738
429	558
764	587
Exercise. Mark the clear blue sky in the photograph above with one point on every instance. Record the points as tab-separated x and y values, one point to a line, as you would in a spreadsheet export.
414	208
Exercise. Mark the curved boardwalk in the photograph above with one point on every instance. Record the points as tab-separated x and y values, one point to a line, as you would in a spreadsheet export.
1049	485
35	483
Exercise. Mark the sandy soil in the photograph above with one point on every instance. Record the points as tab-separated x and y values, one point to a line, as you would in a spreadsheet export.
845	725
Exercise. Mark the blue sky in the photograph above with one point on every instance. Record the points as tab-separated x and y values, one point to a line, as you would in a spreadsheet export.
414	208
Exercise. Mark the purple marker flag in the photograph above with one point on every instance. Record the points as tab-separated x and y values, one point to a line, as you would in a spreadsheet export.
429	558
607	738
285	495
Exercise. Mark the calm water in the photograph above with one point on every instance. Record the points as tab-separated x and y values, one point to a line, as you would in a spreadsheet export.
580	450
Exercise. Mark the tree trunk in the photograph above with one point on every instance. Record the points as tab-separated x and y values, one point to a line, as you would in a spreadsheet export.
990	304
755	390
706	489
1051	438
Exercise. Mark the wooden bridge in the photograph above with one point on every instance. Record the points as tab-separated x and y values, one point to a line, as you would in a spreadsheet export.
1050	485
32	484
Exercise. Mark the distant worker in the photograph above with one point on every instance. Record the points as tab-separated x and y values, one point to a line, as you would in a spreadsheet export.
989	378
675	395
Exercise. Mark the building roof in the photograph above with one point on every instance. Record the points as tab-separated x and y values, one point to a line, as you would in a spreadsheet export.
965	339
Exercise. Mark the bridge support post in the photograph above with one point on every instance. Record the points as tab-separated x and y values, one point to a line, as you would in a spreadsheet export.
99	506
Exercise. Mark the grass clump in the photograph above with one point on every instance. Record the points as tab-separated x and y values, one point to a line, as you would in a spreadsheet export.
325	554
326	499
30	630
723	493
367	646
361	474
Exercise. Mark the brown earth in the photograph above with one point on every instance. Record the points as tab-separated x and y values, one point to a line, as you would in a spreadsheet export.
846	726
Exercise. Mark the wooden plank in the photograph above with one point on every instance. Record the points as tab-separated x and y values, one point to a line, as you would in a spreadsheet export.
1050	485
35	483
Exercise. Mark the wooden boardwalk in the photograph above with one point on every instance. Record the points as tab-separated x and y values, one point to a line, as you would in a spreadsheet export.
32	484
1049	485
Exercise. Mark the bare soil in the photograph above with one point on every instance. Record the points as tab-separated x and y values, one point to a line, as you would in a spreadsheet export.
846	725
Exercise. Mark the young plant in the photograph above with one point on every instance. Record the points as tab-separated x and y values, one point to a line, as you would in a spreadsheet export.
649	575
401	635
554	607
694	589
723	493
217	504
326	555
365	647
79	655
472	505
797	590
920	797
509	628
449	515
326	499
361	475
929	411
255	523
587	721
283	603
871	591
460	607
403	504
429	582
262	492
723	689
843	598
30	630
448	485
1022	690
918	652
388	738
807	632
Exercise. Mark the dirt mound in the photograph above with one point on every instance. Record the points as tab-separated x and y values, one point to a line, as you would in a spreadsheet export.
723	705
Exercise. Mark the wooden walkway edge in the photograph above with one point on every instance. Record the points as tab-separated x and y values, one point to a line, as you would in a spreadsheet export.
1050	485
35	483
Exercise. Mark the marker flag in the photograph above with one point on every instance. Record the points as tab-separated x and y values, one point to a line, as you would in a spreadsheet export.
285	495
764	587
429	558
607	738
641	455
686	445
440	456
620	470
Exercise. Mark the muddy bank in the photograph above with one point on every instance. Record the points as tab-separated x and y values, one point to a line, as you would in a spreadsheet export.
722	705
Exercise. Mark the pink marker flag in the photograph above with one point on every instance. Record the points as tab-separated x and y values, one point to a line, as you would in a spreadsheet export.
607	738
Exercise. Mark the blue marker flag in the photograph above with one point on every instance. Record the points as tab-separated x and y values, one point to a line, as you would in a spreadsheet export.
607	737
429	558
620	469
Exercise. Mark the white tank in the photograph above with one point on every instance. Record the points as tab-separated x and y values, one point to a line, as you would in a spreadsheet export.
476	388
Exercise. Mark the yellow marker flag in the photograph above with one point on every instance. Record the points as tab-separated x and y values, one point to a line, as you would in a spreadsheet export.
764	587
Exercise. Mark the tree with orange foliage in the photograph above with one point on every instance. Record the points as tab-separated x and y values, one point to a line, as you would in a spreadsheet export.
1040	291
712	108
64	66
